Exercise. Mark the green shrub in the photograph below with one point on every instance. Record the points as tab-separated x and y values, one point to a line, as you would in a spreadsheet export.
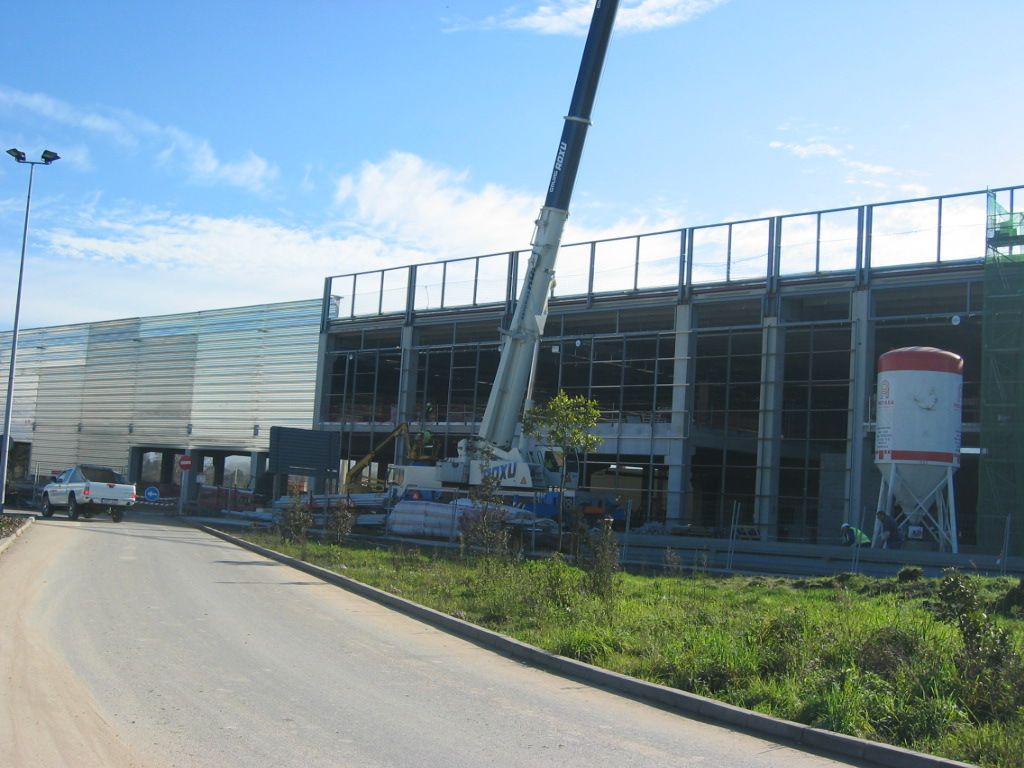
296	520
673	562
483	531
560	583
602	560
991	669
339	521
909	573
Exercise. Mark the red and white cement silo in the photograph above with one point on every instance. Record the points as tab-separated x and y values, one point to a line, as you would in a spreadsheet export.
917	437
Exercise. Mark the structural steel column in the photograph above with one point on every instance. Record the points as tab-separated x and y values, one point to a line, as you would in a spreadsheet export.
862	355
321	390
257	466
679	503
406	406
769	429
134	464
218	470
167	466
194	486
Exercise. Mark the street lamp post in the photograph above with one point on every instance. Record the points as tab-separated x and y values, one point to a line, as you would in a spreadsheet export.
19	156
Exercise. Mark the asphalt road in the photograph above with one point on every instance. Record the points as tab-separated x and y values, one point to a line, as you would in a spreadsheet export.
152	645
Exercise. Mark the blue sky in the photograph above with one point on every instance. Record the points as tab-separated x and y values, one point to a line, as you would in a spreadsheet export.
220	154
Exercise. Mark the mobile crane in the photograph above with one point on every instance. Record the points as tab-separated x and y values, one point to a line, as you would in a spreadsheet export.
521	464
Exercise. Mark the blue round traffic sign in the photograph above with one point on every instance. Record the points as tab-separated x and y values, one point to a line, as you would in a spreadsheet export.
152	493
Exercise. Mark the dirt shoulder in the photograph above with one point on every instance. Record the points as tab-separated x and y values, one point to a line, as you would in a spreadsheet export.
47	716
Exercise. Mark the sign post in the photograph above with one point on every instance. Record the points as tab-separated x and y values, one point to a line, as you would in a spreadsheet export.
185	465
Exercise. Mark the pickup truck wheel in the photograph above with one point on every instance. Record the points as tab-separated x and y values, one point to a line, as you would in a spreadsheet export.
116	514
47	508
72	507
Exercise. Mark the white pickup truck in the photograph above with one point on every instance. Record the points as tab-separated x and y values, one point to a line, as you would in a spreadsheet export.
85	489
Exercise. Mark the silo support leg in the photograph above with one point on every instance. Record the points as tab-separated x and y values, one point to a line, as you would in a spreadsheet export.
886	496
953	542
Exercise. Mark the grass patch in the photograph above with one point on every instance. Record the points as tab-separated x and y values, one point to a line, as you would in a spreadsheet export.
930	664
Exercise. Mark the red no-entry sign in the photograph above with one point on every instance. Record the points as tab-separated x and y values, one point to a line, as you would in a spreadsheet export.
185	463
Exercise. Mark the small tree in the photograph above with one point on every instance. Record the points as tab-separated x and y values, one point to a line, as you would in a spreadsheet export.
565	422
603	561
338	520
295	521
482	524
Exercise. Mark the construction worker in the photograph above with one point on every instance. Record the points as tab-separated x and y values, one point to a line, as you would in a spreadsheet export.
892	536
854	537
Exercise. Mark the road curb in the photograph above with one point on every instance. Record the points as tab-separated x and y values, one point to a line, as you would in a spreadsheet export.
8	540
671	698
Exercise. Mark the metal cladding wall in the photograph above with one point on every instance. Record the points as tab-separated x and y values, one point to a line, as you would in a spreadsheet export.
215	379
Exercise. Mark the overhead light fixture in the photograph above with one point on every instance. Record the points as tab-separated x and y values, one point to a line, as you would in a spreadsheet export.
19	156
48	156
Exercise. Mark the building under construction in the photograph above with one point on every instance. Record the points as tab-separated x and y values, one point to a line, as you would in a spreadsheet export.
734	366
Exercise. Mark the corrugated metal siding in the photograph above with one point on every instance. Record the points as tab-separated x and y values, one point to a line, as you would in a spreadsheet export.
49	380
108	391
90	392
254	368
58	414
162	405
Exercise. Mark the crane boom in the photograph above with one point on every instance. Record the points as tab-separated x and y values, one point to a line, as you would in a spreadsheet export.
352	476
491	454
505	404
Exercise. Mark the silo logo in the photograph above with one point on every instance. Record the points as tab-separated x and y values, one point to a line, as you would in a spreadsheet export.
884	393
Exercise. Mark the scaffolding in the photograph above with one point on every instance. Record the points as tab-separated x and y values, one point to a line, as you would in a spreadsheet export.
1001	488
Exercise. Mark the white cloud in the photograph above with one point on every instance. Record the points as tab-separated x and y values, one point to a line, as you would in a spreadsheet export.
653	14
572	17
143	262
218	247
434	209
407	200
913	190
871	168
811	149
400	211
180	149
65	114
883	178
197	156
